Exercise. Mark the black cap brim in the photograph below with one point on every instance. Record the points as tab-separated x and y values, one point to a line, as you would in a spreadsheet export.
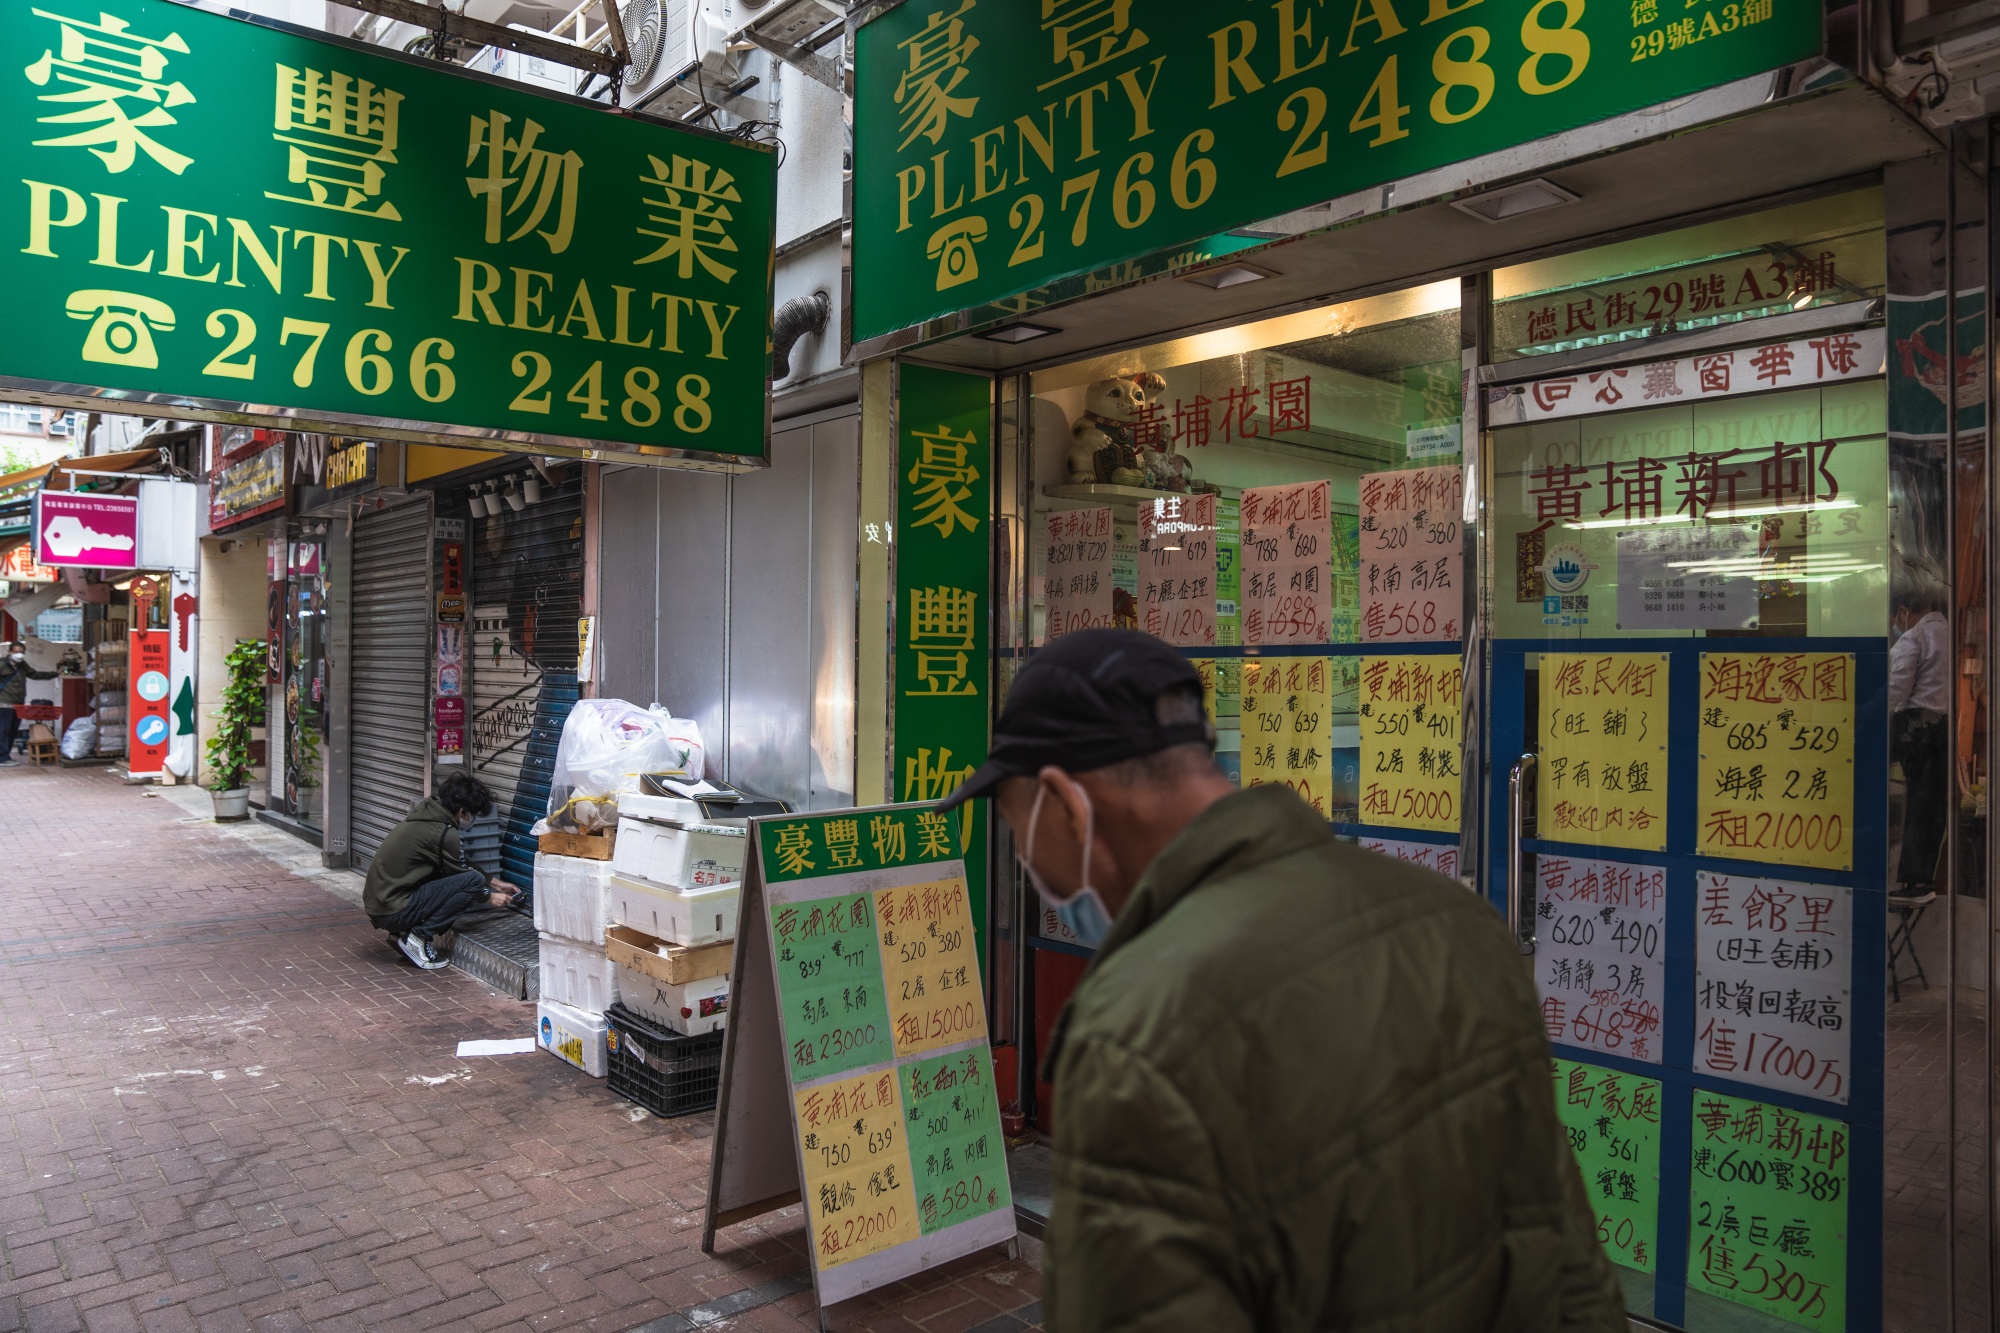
982	782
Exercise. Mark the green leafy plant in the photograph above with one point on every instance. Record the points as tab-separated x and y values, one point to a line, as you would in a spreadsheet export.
305	749
242	708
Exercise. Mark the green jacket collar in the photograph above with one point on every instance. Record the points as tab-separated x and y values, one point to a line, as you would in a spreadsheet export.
1239	832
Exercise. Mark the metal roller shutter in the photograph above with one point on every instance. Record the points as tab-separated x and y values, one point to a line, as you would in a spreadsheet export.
527	593
391	655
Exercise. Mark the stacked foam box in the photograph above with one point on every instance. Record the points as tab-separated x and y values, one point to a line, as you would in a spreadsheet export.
675	887
572	908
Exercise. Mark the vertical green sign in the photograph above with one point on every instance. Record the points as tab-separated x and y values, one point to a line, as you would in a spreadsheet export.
944	506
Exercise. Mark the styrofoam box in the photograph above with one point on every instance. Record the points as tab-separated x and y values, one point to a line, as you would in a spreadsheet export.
681	856
572	1036
577	975
678	916
572	897
705	1002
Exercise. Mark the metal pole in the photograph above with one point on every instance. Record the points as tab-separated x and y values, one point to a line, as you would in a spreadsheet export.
1951	731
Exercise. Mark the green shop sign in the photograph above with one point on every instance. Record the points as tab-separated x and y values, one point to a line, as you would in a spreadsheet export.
248	224
943	690
1001	145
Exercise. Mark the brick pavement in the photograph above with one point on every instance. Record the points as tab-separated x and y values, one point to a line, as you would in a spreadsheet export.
231	1107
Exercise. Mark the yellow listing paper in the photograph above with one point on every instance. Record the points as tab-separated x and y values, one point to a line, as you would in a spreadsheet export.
930	966
1410	746
1287	712
1777	758
857	1166
1603	771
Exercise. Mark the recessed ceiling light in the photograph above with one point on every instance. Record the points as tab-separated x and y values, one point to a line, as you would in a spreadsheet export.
1016	333
1527	197
1230	275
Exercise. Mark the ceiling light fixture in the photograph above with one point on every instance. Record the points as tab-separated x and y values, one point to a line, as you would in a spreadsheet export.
1229	275
1016	333
1515	200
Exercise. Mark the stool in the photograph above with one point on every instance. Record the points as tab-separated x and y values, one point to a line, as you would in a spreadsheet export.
1909	909
44	752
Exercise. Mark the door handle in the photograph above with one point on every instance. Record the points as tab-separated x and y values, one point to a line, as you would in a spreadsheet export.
1517	811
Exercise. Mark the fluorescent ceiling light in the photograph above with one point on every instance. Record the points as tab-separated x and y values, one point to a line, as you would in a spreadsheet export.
1229	275
1514	200
1754	512
1016	333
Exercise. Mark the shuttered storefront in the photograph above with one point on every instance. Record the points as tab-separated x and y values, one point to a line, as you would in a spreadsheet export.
390	740
527	593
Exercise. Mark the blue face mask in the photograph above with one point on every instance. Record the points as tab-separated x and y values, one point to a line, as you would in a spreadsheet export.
1083	914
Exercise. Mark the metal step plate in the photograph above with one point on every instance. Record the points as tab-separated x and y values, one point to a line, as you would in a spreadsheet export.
501	950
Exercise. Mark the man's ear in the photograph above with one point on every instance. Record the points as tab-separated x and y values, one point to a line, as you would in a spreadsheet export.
1068	795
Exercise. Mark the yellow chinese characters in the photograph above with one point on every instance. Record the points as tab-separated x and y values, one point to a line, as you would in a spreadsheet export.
931	966
1603	760
937	55
101	66
538	176
1777	758
942	626
1410	748
340	132
943	475
1287	712
857	1167
688	218
1089	34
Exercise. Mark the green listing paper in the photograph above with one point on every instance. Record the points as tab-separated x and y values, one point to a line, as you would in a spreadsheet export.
219	214
1613	1123
956	1149
1767	1224
943	690
830	984
1002	146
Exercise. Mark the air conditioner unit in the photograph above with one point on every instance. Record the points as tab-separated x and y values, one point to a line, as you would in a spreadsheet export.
532	70
789	22
690	57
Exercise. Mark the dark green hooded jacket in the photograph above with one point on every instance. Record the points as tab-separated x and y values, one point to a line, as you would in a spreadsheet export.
1305	1086
422	848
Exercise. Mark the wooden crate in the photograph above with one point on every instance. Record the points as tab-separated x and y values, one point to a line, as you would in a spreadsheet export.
680	963
591	846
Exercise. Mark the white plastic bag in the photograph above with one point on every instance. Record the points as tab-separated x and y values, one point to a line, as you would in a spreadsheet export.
80	741
607	745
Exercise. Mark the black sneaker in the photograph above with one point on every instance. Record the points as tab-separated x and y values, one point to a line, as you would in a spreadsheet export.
421	952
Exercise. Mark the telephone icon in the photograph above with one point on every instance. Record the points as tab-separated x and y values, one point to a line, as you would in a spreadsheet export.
951	245
122	324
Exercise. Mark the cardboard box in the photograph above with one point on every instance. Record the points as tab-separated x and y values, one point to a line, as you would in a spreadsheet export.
577	975
675	964
572	1036
597	846
690	1009
681	856
679	916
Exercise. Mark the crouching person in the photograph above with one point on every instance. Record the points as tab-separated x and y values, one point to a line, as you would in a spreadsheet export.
419	883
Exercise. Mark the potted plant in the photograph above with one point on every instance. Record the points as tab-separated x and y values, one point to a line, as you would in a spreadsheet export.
229	761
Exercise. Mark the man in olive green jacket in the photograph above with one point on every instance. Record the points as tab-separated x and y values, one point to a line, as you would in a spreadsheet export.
1302	1086
418	882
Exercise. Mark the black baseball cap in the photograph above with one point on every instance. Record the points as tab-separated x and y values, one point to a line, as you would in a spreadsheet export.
1084	702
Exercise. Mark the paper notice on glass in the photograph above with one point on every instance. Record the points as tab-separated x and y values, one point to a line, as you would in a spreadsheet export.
1287	717
1777	758
1411	760
1613	1123
1177	569
1287	572
1079	569
1767	1205
1411	554
1602	776
1773	983
1688	578
1439	856
1600	940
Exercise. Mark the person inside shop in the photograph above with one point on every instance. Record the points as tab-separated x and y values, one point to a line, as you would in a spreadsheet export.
1919	677
1302	1085
15	673
419	884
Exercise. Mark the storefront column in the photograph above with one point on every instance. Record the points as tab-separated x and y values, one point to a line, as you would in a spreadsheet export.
875	576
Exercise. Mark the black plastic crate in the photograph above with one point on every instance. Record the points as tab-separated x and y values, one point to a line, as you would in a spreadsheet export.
664	1072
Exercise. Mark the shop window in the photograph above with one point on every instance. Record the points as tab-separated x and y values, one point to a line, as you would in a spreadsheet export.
1799	257
1232	493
